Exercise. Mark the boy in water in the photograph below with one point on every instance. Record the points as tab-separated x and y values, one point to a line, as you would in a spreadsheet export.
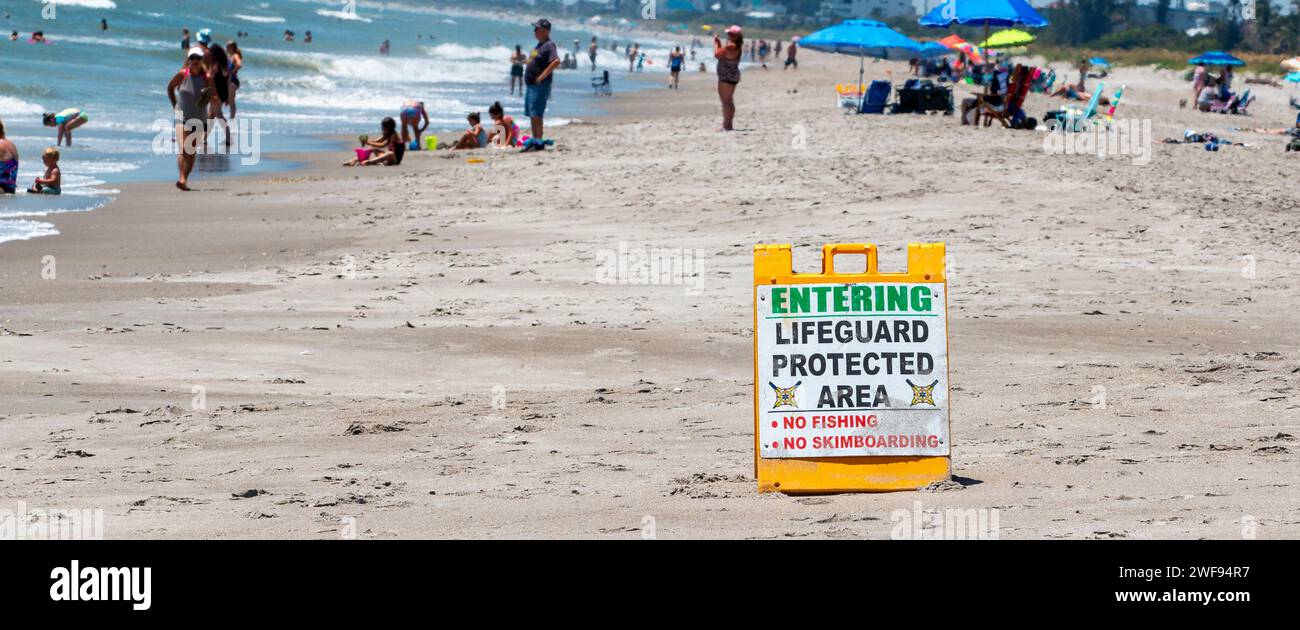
51	183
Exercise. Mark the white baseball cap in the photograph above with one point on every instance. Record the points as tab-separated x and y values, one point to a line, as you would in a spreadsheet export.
196	51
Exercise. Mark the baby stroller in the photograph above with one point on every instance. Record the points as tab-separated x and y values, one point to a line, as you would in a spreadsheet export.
601	84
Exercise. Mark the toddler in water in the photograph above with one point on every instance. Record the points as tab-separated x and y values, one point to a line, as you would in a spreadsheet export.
51	183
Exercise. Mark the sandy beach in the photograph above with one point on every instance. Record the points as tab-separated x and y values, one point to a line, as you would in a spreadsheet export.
431	350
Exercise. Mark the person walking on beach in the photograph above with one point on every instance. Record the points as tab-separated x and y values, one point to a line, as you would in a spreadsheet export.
190	91
517	60
537	82
676	61
591	52
8	163
728	56
185	39
217	67
791	55
1198	81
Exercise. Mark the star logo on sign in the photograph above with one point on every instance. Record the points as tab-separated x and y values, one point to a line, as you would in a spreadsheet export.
785	395
923	394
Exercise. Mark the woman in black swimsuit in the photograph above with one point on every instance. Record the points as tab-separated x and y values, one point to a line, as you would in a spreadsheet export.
728	56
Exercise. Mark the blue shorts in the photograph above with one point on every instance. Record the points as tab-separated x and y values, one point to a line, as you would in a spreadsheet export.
535	98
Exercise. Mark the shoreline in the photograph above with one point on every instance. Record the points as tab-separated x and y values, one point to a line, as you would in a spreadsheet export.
430	348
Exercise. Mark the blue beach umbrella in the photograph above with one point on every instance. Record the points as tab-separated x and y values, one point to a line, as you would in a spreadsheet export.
983	13
1100	62
986	12
862	39
1216	58
1294	77
930	50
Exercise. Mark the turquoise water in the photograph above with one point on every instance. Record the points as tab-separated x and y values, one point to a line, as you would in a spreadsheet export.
295	91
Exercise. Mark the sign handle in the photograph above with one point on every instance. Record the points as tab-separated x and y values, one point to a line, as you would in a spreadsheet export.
866	249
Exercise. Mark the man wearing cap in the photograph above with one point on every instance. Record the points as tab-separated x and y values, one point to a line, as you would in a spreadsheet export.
537	81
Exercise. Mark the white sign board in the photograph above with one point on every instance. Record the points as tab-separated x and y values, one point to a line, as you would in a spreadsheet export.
852	369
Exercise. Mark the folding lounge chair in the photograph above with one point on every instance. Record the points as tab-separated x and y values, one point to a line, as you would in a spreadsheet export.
1075	119
876	98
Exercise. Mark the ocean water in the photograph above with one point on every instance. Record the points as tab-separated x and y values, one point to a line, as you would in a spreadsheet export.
294	92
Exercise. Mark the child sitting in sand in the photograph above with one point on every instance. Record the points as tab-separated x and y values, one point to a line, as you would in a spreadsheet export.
476	137
505	133
387	150
51	183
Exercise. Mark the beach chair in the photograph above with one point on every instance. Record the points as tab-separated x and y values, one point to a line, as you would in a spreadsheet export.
1011	111
601	85
876	98
1223	107
1076	120
1243	104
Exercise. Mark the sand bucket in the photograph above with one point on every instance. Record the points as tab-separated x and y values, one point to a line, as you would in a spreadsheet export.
431	141
363	154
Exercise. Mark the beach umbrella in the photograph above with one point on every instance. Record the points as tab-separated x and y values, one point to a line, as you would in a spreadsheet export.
1294	77
862	39
985	12
1010	38
953	41
1100	62
1216	58
930	50
1292	64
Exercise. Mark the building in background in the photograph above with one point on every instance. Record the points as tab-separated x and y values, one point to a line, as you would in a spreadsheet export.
1190	16
849	9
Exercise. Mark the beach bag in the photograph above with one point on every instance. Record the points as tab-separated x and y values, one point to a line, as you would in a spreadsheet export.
1294	145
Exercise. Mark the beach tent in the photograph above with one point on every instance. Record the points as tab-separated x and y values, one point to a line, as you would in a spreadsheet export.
1010	38
1216	58
862	39
1294	77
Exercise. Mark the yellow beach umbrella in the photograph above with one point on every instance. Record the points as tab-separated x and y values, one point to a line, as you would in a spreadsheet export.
1010	38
